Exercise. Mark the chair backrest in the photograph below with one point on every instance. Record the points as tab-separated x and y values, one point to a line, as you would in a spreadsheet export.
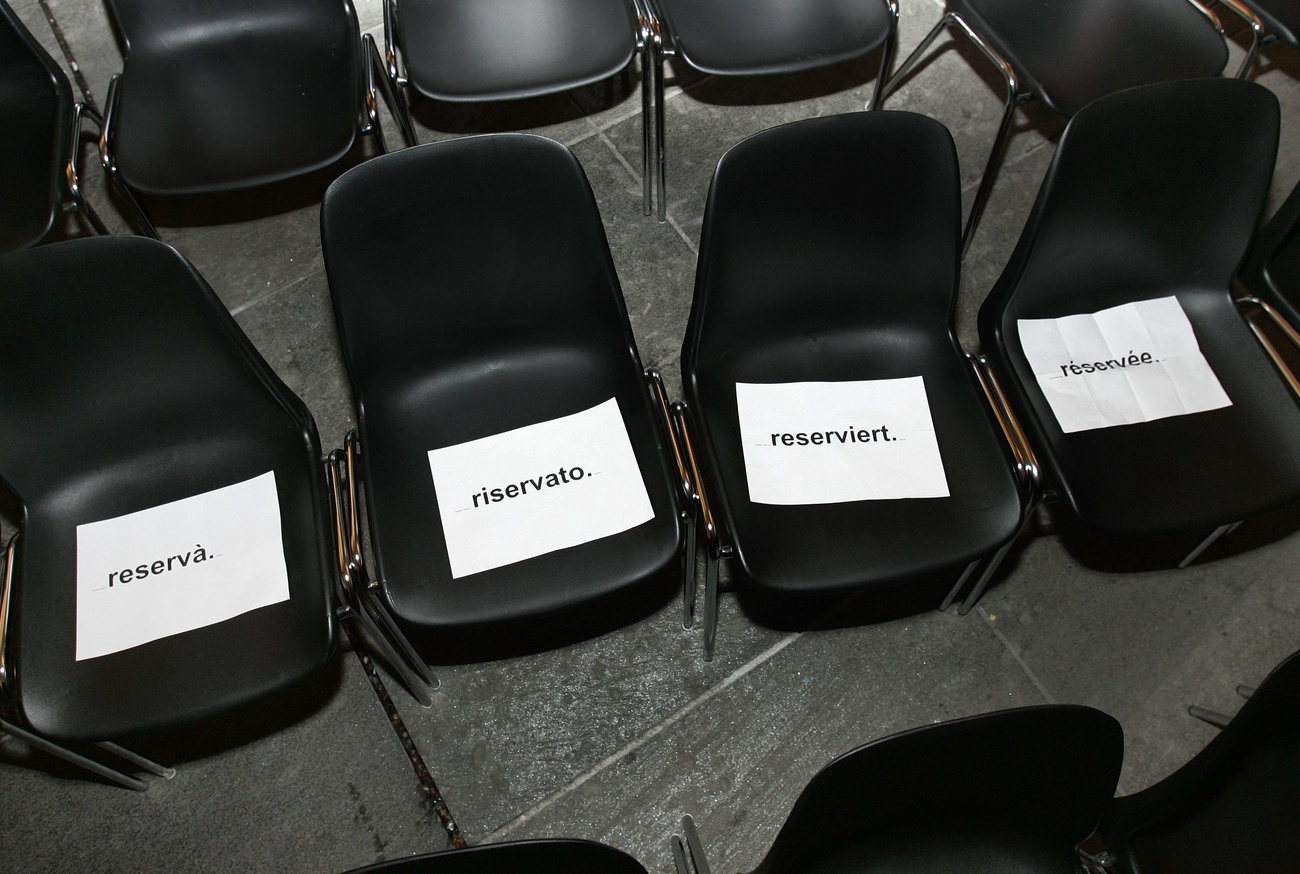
1016	786
1152	191
535	857
170	28
35	123
126	385
1234	806
793	247
466	285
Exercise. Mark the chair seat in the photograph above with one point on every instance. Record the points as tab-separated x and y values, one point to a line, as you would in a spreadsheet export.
518	388
822	548
1229	463
505	49
1069	53
774	36
238	107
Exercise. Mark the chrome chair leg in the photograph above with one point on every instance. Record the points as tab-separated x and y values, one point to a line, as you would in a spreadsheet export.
62	752
961	584
1207	542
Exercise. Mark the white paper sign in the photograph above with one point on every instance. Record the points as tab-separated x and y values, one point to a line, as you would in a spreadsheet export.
536	489
1132	363
179	566
832	442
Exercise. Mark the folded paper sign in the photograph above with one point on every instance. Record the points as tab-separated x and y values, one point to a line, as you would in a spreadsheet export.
522	493
835	442
1137	362
180	566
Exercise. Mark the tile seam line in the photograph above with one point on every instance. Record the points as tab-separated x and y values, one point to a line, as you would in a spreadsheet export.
1038	684
271	292
613	759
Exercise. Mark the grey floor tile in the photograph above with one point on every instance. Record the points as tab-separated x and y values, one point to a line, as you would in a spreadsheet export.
293	328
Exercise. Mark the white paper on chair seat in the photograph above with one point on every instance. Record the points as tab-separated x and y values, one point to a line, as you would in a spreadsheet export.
1137	362
523	493
833	442
179	566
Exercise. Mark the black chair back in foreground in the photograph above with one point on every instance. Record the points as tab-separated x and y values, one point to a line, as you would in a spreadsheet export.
1234	807
1014	790
1068	54
1143	218
847	442
535	857
175	556
488	50
40	129
753	37
230	96
514	472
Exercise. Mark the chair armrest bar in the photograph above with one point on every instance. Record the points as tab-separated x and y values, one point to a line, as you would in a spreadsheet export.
1273	352
660	397
6	584
701	495
1027	467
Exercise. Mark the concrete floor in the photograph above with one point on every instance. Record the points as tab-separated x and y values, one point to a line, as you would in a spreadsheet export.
616	737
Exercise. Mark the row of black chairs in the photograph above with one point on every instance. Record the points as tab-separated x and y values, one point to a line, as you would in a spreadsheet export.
255	93
475	295
1022	790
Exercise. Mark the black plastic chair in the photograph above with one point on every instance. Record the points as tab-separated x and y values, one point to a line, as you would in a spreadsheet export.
729	38
1068	54
1233	807
486	50
231	96
125	385
1154	193
829	254
475	294
40	131
536	857
1014	790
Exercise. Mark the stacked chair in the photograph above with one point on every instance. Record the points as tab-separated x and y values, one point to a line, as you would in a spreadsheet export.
40	135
